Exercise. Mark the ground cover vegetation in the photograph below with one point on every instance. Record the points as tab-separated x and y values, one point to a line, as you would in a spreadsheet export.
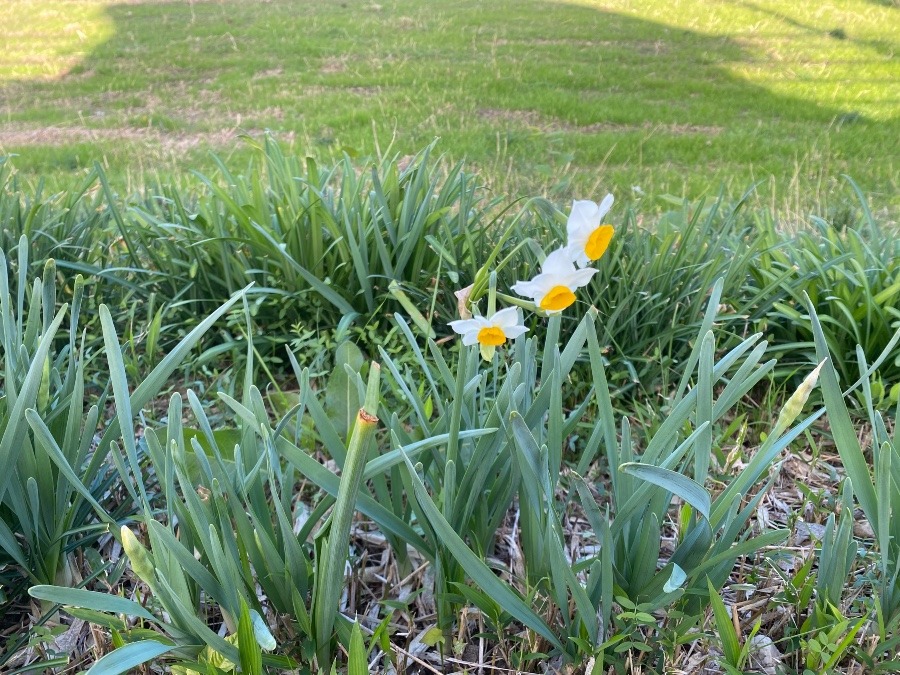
665	96
691	466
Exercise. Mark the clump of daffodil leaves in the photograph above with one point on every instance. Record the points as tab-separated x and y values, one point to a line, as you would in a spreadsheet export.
563	272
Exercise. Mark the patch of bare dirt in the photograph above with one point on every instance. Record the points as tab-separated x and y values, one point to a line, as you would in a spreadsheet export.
271	72
319	90
542	123
22	136
639	46
333	65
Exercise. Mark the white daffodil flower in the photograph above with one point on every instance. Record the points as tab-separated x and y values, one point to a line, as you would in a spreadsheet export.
588	236
490	332
554	288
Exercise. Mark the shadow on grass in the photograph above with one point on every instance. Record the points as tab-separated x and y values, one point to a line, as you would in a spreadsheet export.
542	81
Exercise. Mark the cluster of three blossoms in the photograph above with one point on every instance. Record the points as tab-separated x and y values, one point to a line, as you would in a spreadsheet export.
553	290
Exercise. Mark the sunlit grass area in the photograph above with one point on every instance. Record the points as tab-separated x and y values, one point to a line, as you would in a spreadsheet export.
830	54
44	41
678	96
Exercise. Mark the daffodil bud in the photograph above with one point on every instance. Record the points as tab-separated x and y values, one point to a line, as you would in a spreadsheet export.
795	403
141	562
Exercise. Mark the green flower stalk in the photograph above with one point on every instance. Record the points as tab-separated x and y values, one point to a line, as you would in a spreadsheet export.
336	549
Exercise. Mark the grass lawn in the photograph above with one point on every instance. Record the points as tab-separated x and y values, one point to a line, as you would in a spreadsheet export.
556	97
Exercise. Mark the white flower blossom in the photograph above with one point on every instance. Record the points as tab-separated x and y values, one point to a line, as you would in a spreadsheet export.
588	236
490	332
554	288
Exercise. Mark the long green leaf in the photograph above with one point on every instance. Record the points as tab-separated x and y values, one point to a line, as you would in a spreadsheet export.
731	648
712	308
12	441
356	655
390	459
129	656
100	602
119	383
845	438
331	567
45	438
248	648
703	446
330	483
159	376
676	483
768	538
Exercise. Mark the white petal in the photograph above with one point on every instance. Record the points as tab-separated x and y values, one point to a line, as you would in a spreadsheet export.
584	216
604	207
579	239
470	338
557	263
526	289
463	326
505	318
540	285
577	254
580	278
515	331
